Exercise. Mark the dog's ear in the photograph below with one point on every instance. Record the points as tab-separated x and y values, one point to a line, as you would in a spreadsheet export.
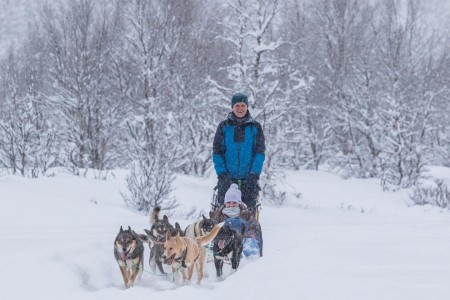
121	230
165	218
211	214
129	228
177	226
204	218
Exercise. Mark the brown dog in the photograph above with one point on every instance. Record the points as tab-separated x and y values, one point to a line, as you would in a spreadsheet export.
182	253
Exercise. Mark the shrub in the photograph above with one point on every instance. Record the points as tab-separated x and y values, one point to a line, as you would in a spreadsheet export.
436	195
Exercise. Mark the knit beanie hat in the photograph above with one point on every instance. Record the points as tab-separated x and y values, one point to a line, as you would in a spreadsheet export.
233	194
239	97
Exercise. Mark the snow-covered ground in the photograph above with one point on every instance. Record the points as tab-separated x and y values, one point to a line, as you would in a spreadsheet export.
333	239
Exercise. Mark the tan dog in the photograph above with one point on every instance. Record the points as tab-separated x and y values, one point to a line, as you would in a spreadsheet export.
183	253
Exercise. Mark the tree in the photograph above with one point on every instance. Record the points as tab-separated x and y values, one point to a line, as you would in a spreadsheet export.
28	138
309	131
79	40
194	104
409	77
153	39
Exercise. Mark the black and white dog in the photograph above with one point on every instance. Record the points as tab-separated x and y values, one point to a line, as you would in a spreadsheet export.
201	227
227	241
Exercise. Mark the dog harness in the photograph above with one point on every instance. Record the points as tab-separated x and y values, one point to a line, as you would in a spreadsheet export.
182	258
160	240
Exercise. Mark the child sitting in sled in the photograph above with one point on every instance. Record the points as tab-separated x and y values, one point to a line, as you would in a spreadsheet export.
235	213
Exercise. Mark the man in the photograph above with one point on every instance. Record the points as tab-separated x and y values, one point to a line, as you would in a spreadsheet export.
238	152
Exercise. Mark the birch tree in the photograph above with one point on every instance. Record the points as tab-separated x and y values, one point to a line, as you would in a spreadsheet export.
28	139
410	93
79	39
153	37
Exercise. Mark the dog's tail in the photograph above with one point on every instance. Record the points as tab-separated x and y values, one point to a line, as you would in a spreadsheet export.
154	215
203	240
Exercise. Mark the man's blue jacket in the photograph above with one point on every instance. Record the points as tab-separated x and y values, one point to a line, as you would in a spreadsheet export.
239	147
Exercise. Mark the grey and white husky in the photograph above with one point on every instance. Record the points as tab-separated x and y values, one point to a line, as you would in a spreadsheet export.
129	254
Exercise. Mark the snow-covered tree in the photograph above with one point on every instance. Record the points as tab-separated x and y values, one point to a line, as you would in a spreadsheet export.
309	131
194	103
343	80
153	35
358	86
28	138
408	73
79	39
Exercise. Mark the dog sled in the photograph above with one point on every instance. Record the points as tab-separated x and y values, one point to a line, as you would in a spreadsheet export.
185	251
253	239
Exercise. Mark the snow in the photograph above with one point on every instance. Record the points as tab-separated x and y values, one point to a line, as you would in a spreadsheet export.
333	239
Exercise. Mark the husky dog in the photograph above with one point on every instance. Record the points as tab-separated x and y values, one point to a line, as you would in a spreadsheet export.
177	230
157	236
157	249
183	253
201	227
228	240
129	254
159	227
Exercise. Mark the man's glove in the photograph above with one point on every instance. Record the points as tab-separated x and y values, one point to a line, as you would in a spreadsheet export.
223	182
252	181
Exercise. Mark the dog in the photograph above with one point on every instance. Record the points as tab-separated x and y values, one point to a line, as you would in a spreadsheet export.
182	253
129	254
157	236
157	250
228	240
201	227
159	227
